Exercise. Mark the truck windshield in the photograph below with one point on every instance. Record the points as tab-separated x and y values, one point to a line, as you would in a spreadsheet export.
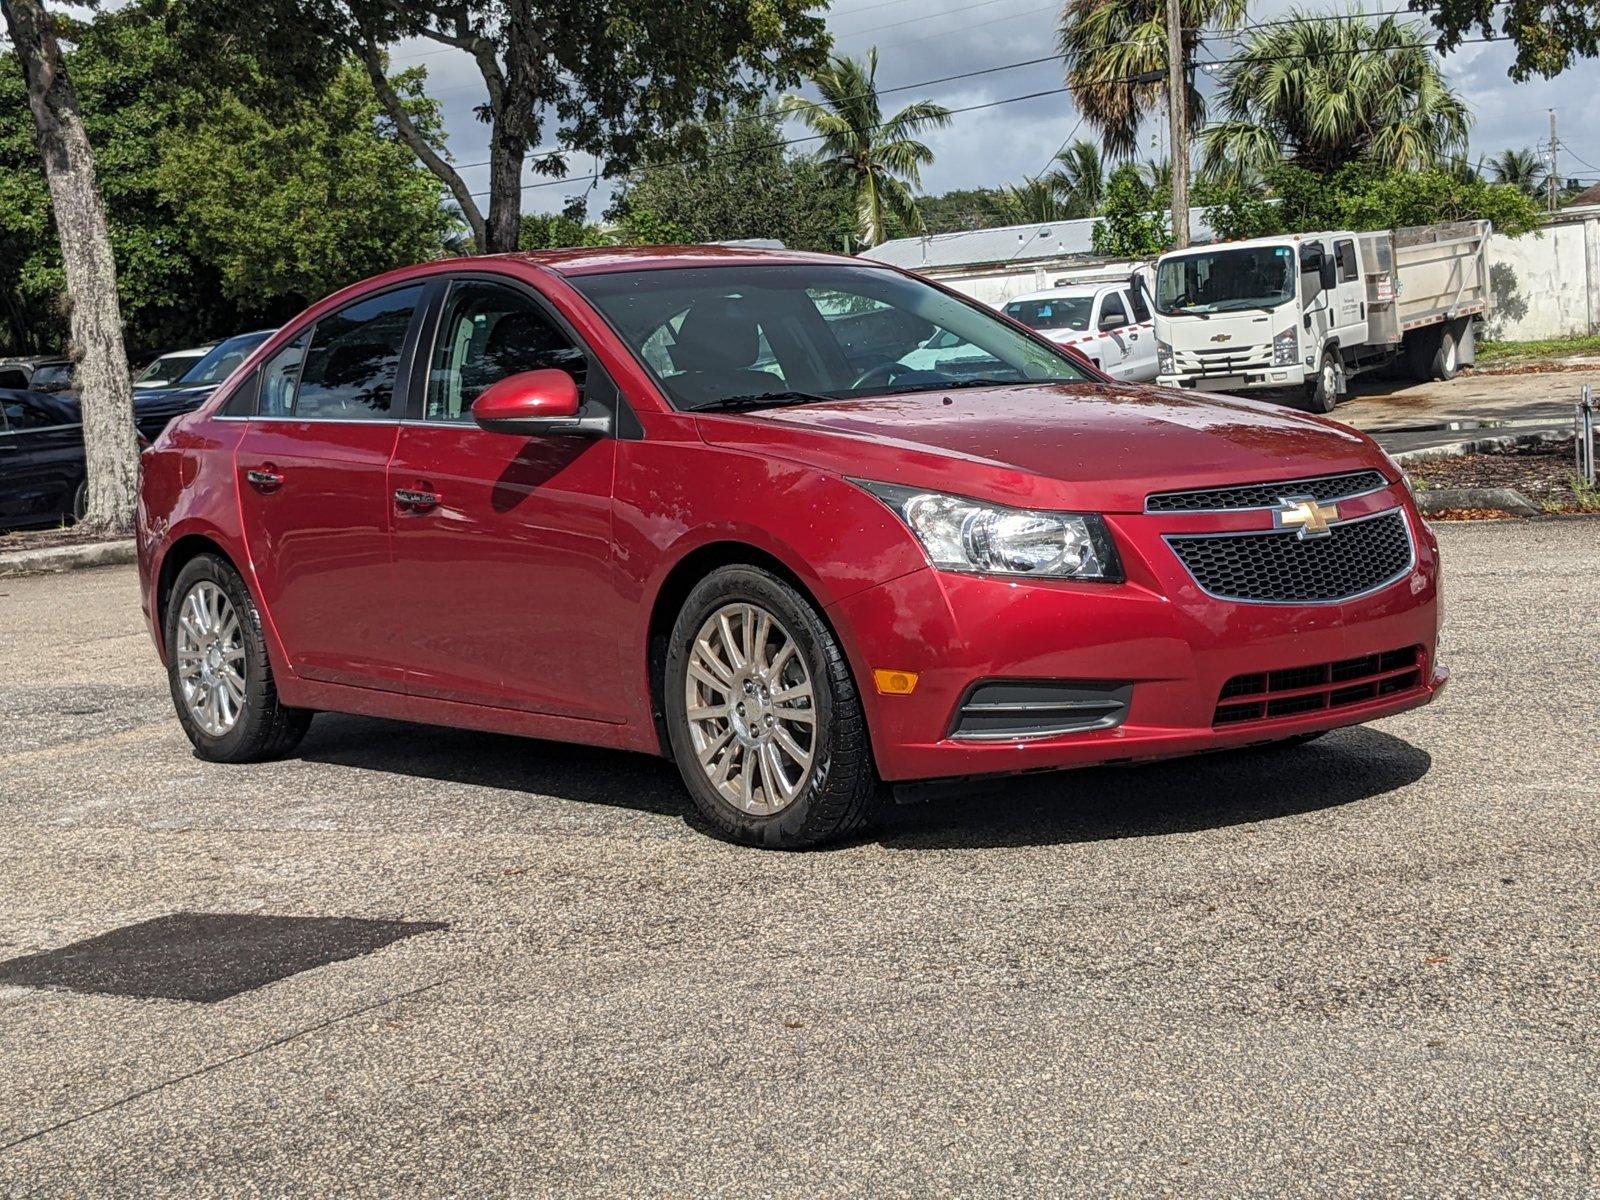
1225	280
1058	312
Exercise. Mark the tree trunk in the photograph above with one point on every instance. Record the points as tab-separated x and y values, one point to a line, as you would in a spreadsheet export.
506	151
104	387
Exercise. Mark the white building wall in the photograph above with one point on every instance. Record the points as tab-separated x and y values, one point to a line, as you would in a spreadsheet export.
1545	286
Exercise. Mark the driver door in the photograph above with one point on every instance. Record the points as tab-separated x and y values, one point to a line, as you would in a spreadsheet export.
1113	326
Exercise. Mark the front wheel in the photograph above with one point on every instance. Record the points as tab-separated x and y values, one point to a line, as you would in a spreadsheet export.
217	669
763	714
1322	393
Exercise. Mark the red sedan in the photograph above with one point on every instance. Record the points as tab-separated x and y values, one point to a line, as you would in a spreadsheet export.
808	525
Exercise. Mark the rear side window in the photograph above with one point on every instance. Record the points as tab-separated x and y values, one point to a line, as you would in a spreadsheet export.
353	361
1345	252
489	332
14	377
280	376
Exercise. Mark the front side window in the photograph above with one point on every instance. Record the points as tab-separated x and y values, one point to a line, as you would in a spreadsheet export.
20	415
279	378
1111	307
353	361
488	332
730	336
1226	280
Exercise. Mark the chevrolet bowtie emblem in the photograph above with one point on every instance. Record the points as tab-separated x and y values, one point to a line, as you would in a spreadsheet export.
1305	514
1223	337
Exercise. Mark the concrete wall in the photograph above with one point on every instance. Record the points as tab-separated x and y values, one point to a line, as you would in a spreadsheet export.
1546	286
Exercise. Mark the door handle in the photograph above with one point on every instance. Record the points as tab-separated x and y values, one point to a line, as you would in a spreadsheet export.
414	500
1133	337
265	479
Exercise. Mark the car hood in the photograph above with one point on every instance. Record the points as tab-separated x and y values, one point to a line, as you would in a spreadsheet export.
1099	447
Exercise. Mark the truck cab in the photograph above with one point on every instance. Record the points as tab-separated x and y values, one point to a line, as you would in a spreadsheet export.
1108	323
1267	313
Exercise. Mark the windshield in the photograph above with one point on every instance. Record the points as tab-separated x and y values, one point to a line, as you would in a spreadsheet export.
219	364
54	377
169	367
717	336
1226	280
1058	312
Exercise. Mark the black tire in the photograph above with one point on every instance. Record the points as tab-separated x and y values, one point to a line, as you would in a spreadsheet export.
80	501
1322	393
1446	362
265	728
835	797
1421	347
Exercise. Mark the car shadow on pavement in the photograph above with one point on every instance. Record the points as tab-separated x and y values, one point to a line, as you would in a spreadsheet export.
1210	791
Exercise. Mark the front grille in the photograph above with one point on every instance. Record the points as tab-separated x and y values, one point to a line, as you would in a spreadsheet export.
1266	495
1280	567
1004	710
1289	693
1224	360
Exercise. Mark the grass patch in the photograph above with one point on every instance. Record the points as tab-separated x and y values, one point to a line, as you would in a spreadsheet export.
1496	354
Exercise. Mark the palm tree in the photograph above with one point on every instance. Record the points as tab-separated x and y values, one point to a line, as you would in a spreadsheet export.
1522	169
1079	178
880	160
1032	202
1323	91
1106	43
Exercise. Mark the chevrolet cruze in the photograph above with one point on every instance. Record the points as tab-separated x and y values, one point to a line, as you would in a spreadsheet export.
812	527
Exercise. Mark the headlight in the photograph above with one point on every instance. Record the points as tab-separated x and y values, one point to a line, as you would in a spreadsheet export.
1286	348
959	534
1164	363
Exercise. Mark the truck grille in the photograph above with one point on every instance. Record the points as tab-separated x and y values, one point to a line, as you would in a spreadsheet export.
1299	690
1266	495
1280	567
1227	360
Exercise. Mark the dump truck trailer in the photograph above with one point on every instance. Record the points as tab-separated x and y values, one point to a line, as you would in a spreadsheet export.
1303	313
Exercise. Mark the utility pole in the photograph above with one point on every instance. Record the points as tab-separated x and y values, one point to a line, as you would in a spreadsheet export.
1552	181
1178	111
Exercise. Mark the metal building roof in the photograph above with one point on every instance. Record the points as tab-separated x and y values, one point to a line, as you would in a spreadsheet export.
1006	244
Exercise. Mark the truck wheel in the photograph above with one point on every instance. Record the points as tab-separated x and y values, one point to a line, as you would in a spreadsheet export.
1421	348
1447	358
1322	392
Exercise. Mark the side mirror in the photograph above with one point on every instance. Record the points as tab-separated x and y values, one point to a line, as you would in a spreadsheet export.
536	404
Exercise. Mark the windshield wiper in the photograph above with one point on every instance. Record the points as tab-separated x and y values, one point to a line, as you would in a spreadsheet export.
977	381
765	400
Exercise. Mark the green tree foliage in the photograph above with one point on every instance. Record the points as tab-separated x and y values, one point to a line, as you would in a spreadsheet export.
879	158
1079	177
185	235
299	203
744	184
1550	35
617	79
1524	170
1325	91
1132	222
1356	197
1106	43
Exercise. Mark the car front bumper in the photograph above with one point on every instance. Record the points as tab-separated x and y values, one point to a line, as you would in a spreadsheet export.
1158	632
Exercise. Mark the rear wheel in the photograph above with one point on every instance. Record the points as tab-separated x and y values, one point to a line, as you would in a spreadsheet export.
1447	358
763	715
80	501
217	669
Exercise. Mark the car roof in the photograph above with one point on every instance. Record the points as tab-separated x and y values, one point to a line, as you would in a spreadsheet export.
595	260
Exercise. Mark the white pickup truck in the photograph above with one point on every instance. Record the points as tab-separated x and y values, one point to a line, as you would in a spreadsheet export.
1109	323
1305	312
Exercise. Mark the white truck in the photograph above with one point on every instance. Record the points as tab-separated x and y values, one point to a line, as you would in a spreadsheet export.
1108	323
1303	313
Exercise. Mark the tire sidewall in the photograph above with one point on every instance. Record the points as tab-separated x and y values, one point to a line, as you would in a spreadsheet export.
1319	399
209	568
798	823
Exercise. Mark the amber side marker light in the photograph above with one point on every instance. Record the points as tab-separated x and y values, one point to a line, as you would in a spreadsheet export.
895	683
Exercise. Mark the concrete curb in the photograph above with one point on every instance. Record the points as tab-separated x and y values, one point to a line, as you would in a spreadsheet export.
51	559
1489	445
1507	500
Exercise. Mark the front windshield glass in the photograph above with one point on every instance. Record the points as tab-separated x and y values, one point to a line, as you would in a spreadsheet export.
56	377
1226	280
168	367
729	335
1058	312
219	364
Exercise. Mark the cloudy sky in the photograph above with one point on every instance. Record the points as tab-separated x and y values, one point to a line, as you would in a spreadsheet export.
922	40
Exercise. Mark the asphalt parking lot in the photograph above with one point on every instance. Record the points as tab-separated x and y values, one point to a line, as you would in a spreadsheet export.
1368	966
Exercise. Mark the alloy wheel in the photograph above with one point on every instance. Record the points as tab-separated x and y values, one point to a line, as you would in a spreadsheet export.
210	658
751	709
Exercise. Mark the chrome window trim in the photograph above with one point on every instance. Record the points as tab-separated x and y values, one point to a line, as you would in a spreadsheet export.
1411	558
1287	483
7	431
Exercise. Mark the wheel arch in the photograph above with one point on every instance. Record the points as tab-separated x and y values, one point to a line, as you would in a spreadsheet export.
674	589
180	554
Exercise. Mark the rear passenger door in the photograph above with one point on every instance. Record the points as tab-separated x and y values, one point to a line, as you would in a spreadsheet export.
1350	299
313	488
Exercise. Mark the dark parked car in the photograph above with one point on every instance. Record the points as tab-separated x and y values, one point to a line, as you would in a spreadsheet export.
153	407
40	374
41	460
